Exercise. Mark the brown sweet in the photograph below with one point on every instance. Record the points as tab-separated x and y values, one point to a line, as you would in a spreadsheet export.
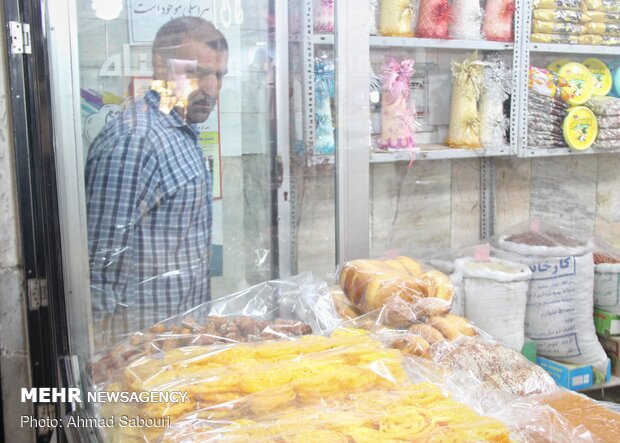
548	238
412	345
447	328
427	332
579	410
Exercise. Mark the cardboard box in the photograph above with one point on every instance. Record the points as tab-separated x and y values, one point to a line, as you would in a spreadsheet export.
573	377
611	345
606	323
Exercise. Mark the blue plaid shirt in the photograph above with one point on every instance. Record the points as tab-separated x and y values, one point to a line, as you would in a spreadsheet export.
149	203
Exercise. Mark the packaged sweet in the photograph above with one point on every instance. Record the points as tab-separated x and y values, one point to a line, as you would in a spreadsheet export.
467	20
464	129
535	125
545	83
580	79
324	90
498	18
612	134
554	38
604	17
575	5
556	27
602	75
605	106
555	65
434	18
610	29
397	119
496	87
373	284
396	18
608	122
606	145
559	15
580	128
602	5
323	16
563	328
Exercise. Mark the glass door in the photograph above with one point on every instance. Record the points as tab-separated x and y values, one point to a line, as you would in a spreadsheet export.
172	158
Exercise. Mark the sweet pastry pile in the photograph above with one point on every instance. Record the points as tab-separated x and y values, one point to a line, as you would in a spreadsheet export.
344	388
373	284
191	332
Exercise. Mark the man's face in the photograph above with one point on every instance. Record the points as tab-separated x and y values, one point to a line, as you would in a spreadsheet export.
197	72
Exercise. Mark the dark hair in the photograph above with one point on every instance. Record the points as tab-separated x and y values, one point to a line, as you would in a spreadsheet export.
181	30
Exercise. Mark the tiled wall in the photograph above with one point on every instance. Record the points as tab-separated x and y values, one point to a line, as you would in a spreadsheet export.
14	360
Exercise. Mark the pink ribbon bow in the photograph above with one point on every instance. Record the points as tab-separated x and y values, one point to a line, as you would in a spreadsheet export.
397	77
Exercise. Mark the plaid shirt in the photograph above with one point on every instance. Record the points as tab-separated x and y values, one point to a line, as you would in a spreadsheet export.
149	200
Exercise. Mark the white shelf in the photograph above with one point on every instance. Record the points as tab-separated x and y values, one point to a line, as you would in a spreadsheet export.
413	42
574	49
555	152
613	382
436	152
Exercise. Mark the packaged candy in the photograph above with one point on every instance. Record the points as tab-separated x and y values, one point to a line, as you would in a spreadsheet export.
324	15
464	130
397	119
396	18
580	128
608	122
548	84
580	79
498	18
467	20
604	105
604	17
603	5
434	18
601	74
575	5
559	15
556	27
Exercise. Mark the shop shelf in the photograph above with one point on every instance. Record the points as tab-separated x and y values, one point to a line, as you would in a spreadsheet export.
413	42
574	49
612	383
555	152
436	152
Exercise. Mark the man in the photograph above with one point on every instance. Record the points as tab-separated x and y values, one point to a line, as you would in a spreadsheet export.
149	190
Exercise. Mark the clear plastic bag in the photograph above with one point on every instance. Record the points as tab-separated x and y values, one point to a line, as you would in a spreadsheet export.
559	15
608	122
540	26
606	106
373	284
608	134
575	5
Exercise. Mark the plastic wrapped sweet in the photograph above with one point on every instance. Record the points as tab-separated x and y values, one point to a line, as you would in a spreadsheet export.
548	84
397	119
559	15
608	122
323	15
434	18
604	17
496	87
606	276
373	284
324	90
464	130
608	134
556	27
396	18
602	5
605	106
561	263
575	5
611	29
498	18
467	20
274	310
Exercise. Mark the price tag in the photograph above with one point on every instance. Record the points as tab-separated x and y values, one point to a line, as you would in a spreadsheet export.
482	252
535	225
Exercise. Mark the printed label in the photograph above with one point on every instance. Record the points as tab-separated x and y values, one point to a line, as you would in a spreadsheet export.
553	268
565	346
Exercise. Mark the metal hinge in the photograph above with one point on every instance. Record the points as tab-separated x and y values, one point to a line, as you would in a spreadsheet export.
46	415
20	38
37	293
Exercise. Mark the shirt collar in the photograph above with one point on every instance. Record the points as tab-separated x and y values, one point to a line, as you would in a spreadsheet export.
173	119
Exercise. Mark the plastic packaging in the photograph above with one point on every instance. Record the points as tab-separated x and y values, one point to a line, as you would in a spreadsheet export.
396	18
467	20
323	16
374	284
559	310
498	18
548	84
434	19
610	29
540	26
580	128
496	88
495	293
604	17
464	129
609	134
575	5
606	276
608	122
580	79
559	15
602	75
602	5
324	90
397	119
604	105
277	309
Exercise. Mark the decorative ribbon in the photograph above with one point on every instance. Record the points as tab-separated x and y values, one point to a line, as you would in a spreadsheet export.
396	78
471	127
497	79
324	77
468	75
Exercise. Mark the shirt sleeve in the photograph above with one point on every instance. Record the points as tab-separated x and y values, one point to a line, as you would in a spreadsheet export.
121	184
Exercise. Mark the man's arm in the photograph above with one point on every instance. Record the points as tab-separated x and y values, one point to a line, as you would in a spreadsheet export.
121	178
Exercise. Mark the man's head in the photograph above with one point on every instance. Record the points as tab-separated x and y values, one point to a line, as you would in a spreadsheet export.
193	54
